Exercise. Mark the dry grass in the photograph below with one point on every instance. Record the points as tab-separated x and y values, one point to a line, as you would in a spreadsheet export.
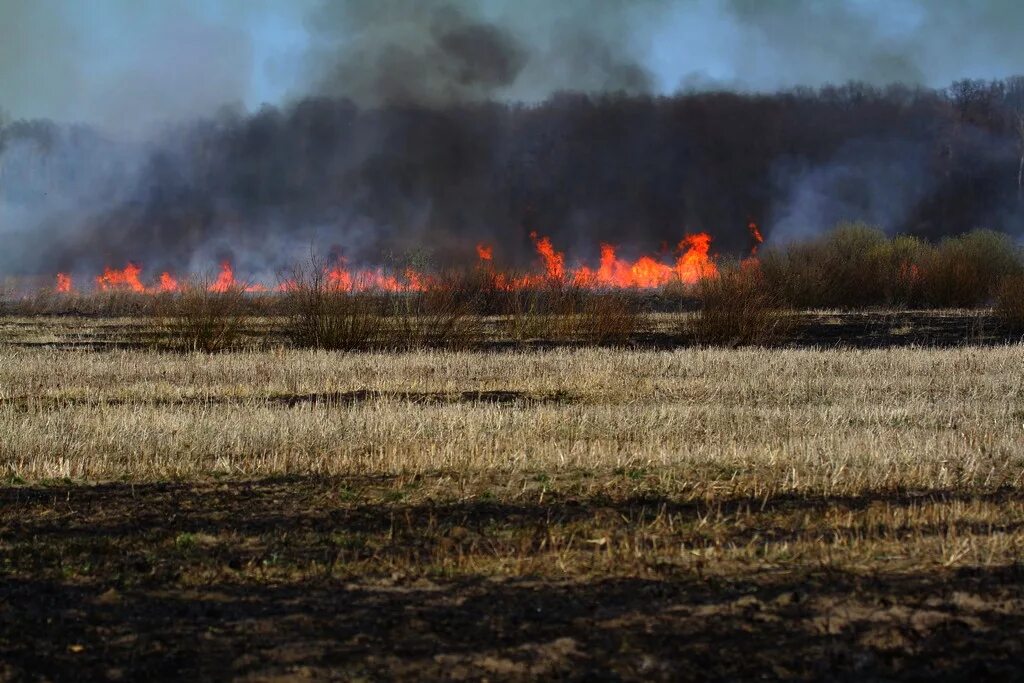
627	511
770	421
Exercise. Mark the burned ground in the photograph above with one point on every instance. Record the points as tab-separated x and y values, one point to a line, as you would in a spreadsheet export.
378	577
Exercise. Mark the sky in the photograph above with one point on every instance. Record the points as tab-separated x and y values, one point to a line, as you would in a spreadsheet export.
130	65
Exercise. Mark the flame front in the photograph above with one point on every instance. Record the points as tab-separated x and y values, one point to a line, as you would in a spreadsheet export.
126	279
64	283
693	262
167	283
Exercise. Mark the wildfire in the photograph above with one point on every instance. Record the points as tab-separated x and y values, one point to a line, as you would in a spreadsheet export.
125	279
691	262
554	262
64	283
756	234
225	280
167	283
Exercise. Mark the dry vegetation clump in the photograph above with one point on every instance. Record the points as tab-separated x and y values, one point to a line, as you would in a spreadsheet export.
1010	302
606	318
738	308
966	271
530	313
198	319
445	314
564	312
319	315
858	266
116	303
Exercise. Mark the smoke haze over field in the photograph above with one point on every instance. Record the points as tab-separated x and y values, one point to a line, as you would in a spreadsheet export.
191	131
136	63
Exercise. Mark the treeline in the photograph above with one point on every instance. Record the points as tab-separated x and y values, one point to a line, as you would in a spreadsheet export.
637	171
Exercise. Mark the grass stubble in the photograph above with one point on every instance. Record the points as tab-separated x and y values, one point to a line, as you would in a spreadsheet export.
693	513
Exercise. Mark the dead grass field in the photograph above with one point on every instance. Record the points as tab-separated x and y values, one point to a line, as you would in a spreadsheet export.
683	514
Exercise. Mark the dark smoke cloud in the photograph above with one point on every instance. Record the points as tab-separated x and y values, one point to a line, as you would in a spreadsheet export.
444	51
437	123
637	171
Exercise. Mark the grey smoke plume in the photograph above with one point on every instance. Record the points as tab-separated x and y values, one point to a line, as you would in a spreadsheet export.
395	124
133	65
880	182
437	52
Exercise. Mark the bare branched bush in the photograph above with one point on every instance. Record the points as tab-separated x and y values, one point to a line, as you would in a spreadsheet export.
443	314
739	309
198	319
541	311
320	315
604	318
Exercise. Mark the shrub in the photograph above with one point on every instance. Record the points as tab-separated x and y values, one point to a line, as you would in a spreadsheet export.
739	308
319	315
966	271
605	318
1010	302
539	311
906	259
197	319
853	265
444	314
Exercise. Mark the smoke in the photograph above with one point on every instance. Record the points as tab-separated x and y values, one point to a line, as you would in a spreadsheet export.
131	66
437	52
879	182
395	125
124	67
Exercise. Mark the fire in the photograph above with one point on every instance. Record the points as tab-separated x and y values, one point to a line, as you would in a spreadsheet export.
694	264
693	261
554	262
167	283
124	279
756	234
64	283
225	279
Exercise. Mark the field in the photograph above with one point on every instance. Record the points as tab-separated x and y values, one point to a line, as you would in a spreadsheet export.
653	510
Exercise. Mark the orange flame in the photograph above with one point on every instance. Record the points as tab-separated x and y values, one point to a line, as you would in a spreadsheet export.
125	279
554	261
167	283
64	283
225	279
693	262
755	233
